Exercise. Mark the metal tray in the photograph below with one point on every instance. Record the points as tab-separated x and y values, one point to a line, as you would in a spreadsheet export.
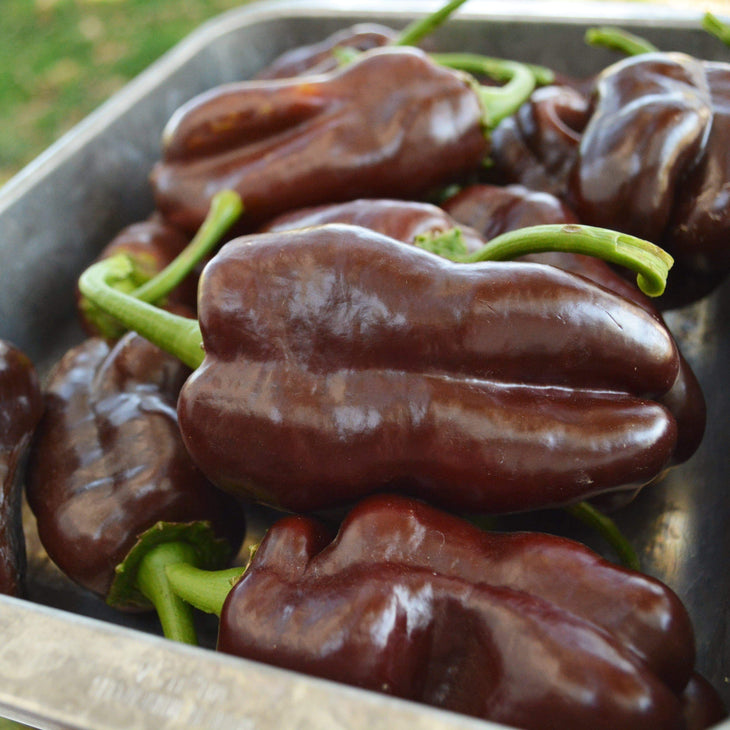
68	661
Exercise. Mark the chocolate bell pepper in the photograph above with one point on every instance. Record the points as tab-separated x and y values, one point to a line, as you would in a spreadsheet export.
324	56
649	122
653	161
416	603
699	228
21	405
488	211
107	461
330	53
409	221
337	361
493	210
536	147
392	123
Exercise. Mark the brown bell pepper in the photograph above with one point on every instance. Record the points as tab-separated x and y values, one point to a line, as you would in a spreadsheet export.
416	603
481	212
21	406
392	123
493	210
409	221
536	147
108	463
338	362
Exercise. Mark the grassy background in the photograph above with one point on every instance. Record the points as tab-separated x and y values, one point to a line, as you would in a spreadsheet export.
59	59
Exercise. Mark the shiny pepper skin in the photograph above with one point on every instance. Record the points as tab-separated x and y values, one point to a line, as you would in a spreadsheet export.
492	210
21	406
537	146
339	362
404	220
699	229
647	129
107	461
526	629
653	162
482	212
392	123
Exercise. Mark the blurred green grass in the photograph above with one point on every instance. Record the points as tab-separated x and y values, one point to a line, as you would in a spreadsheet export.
60	59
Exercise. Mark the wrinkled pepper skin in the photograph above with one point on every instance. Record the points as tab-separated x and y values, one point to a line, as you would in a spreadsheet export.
653	162
404	220
390	124
339	362
152	244
107	461
482	212
648	126
537	146
492	210
21	406
700	227
322	57
514	628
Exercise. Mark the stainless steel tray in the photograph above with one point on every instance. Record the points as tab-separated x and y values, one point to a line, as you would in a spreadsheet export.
66	660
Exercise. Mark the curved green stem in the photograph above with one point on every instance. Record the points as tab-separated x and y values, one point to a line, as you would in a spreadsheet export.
419	29
177	335
176	616
225	209
497	102
609	530
617	39
650	262
205	590
713	25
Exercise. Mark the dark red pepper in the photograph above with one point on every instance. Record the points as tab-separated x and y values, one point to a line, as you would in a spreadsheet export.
653	162
107	461
392	123
699	228
482	212
493	210
21	406
514	628
650	118
339	361
405	220
536	147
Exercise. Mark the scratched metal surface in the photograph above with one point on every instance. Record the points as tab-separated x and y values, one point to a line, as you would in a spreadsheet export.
68	661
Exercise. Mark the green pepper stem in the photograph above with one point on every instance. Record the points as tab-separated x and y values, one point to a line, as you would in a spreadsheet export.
713	25
177	335
650	262
498	102
176	616
609	530
225	209
419	29
205	590
617	39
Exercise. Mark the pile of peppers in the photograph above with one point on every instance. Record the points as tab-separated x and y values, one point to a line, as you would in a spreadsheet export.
386	293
